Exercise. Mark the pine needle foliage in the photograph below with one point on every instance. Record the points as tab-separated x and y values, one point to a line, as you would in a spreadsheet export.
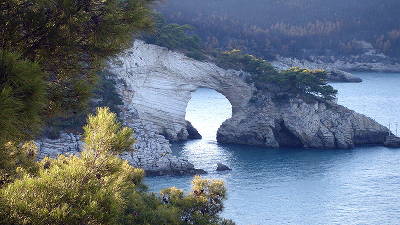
16	161
295	81
22	98
176	37
100	188
104	133
70	39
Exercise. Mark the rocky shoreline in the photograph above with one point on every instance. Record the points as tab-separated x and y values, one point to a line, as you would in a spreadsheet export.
340	69
156	84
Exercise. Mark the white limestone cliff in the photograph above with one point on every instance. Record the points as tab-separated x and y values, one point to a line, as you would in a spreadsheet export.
156	84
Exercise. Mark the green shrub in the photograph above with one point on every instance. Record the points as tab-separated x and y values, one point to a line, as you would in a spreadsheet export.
104	133
98	187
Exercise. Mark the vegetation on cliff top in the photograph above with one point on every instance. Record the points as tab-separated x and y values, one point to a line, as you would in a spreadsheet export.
294	81
264	76
176	37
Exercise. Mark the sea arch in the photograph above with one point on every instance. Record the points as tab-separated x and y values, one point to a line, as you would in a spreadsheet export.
157	84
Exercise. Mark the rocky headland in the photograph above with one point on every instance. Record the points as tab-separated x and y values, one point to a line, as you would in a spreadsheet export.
340	68
156	84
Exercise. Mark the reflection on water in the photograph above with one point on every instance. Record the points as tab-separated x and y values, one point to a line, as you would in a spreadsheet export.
297	186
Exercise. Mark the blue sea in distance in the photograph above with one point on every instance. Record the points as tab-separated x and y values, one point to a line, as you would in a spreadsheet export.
297	186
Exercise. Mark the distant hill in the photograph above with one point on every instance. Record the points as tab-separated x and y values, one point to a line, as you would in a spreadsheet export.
297	28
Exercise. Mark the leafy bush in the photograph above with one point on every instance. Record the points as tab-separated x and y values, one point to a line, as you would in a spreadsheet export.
17	160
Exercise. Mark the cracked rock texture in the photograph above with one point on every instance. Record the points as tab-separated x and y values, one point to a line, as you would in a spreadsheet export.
156	84
296	123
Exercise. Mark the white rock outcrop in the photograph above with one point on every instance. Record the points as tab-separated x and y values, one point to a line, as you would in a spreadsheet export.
156	86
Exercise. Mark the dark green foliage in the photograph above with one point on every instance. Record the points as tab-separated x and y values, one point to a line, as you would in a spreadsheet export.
176	37
70	39
235	59
104	95
303	82
22	98
294	81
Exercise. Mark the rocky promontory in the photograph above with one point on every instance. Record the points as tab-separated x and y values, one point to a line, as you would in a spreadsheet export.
296	123
156	85
340	68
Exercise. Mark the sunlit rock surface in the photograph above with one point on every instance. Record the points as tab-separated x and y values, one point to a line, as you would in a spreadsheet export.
299	124
156	86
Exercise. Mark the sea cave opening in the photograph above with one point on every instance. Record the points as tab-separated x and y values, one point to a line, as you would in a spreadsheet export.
207	110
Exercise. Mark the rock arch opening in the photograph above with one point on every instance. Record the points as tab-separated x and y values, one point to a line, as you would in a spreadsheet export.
206	111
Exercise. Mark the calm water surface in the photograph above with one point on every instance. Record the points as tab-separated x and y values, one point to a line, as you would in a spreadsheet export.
296	186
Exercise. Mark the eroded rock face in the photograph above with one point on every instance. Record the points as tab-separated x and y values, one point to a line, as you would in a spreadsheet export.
222	167
66	144
156	86
193	132
156	83
295	123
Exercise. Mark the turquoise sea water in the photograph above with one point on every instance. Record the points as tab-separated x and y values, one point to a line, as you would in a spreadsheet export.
297	186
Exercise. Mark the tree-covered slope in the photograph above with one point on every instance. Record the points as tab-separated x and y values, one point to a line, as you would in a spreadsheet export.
291	27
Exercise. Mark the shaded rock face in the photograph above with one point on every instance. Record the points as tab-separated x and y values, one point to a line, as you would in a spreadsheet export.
156	84
335	75
222	167
193	133
296	123
392	142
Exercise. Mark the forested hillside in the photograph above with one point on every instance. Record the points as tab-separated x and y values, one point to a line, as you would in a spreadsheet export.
291	27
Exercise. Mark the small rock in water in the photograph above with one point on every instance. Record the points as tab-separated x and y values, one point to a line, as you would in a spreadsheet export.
199	172
222	167
193	133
